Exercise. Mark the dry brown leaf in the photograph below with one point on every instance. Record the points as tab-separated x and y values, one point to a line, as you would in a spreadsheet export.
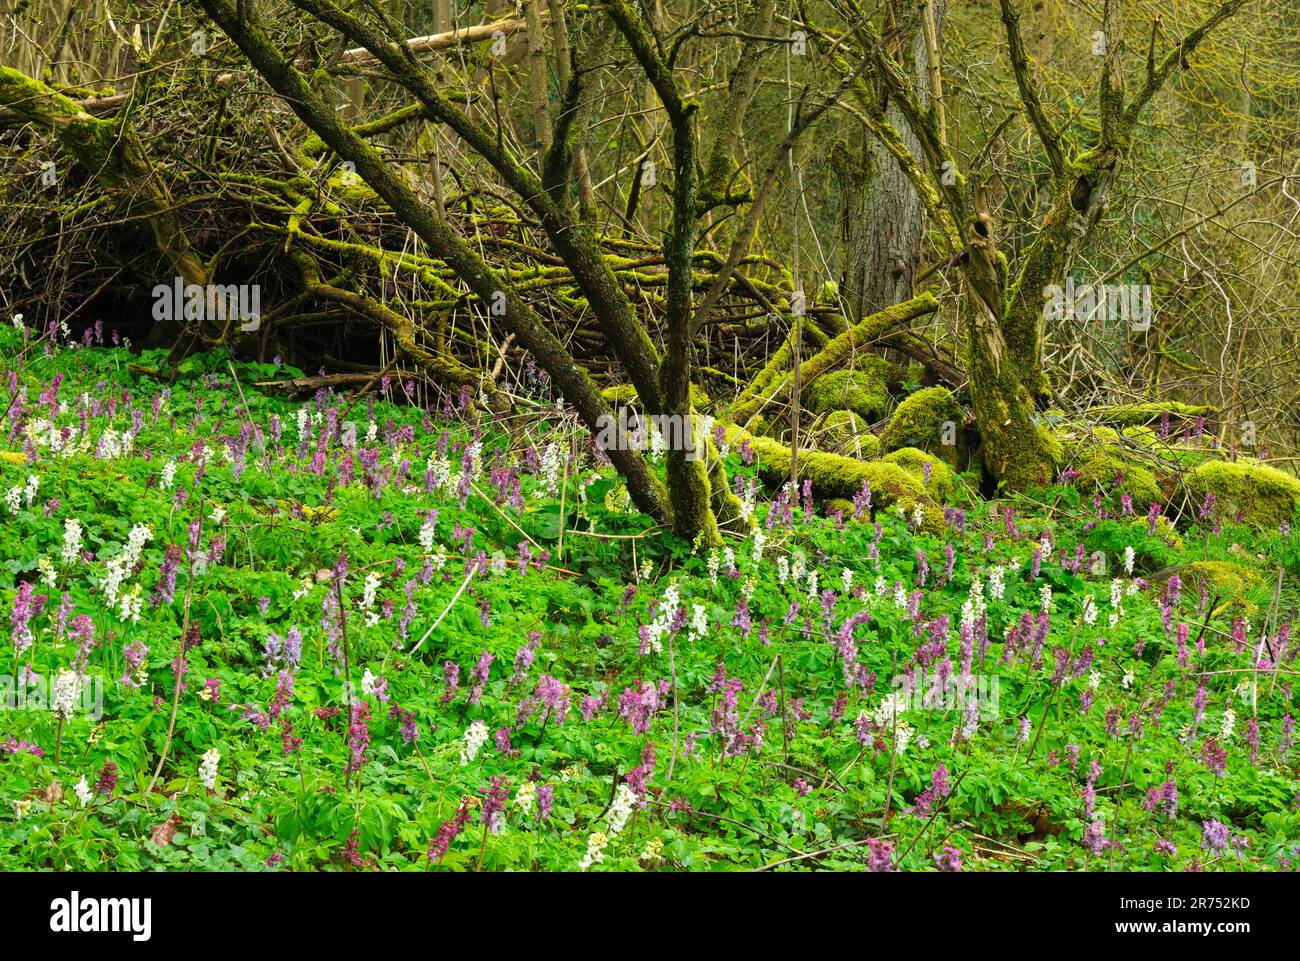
163	833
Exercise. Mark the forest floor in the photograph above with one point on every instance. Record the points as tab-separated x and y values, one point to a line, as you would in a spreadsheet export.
414	642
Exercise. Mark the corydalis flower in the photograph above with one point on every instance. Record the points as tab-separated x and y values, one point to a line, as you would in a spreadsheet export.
358	737
448	832
494	802
476	736
208	768
66	688
24	609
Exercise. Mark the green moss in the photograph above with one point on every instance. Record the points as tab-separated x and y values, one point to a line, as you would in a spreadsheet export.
920	422
1226	578
831	474
913	461
844	432
625	395
1261	495
1101	467
863	390
1133	415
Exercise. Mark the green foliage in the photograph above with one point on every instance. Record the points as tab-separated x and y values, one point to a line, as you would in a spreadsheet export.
771	760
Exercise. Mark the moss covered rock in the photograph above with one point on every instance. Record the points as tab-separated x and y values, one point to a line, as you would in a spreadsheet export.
1261	495
863	390
919	421
940	484
1228	579
845	432
1106	469
832	475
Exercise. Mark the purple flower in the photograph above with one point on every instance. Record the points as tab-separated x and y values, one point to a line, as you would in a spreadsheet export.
1215	836
545	800
948	860
358	736
494	802
879	854
25	608
1094	837
448	831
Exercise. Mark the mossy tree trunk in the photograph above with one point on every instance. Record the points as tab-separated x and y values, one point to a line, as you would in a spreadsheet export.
1005	317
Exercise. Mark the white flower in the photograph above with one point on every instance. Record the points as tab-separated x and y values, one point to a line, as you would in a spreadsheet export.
846	578
996	586
66	688
33	485
208	768
525	797
368	592
368	683
1127	680
48	575
552	461
782	570
21	808
18	321
1229	722
760	540
699	622
1045	597
1089	610
14	499
71	540
1094	680
129	607
168	475
712	565
1128	561
890	708
918	516
476	736
653	850
82	790
426	535
439	559
620	812
902	735
596	845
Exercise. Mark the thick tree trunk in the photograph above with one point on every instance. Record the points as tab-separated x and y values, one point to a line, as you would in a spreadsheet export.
882	220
